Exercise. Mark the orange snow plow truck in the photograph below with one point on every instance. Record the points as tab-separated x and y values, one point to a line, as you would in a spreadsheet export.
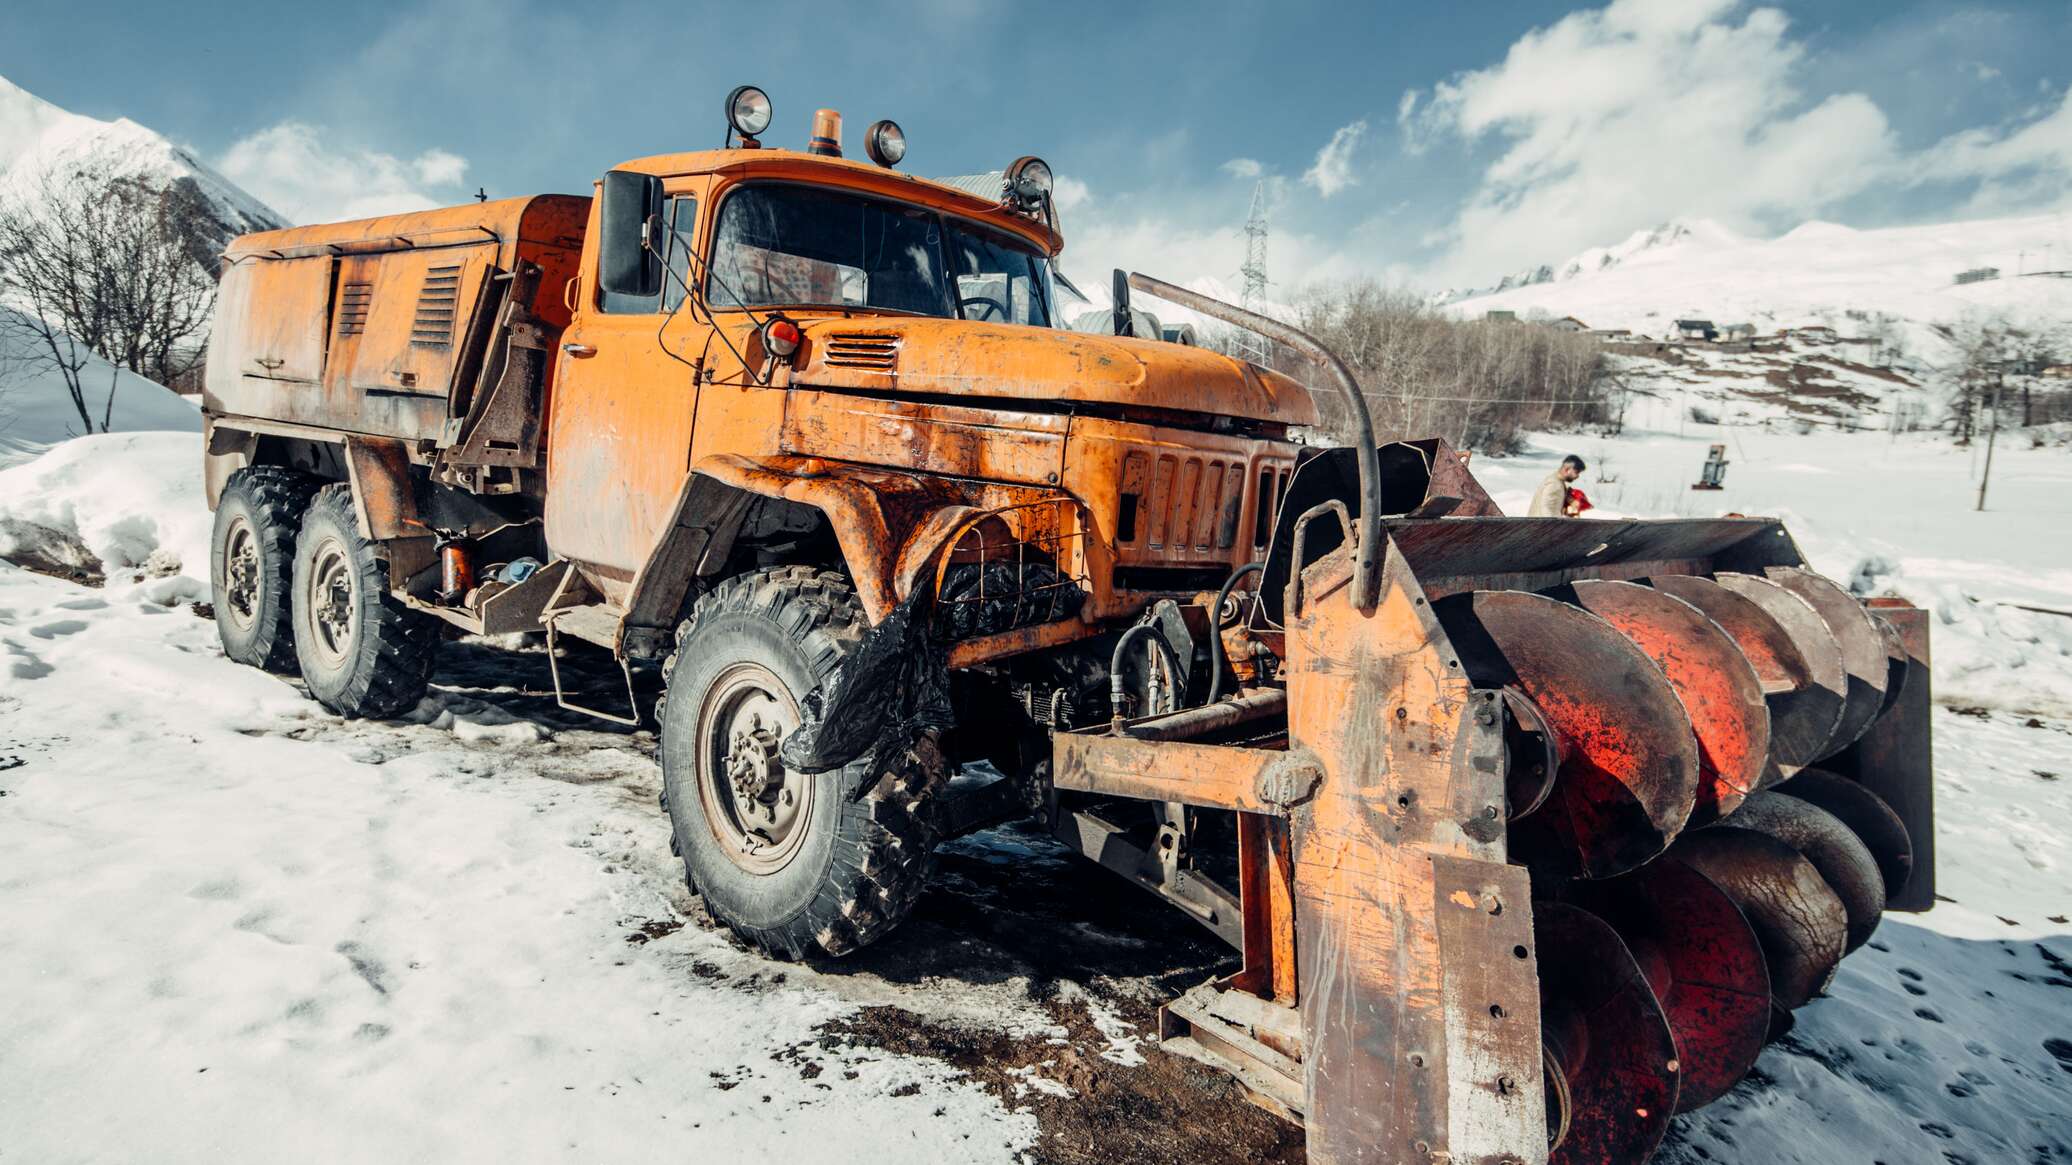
1527	834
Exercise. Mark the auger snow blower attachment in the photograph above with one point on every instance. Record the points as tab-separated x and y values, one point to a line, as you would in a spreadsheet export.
1544	827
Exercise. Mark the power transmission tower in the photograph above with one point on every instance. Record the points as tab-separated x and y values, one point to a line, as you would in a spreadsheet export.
1250	345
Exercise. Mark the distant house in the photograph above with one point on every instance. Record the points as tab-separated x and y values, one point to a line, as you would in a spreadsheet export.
1815	334
1978	275
1696	330
1568	324
1613	334
2058	372
1735	332
1497	316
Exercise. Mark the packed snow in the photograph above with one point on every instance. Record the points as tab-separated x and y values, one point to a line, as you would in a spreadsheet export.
244	928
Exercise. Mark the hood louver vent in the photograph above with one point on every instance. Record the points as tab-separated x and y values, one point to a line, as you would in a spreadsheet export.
436	305
861	350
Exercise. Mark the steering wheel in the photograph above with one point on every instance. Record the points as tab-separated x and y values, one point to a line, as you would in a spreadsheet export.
993	306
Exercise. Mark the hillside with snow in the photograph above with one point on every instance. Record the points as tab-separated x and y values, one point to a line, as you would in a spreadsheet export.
1821	274
40	142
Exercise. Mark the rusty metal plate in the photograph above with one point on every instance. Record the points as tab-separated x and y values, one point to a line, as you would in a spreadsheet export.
1720	691
1629	774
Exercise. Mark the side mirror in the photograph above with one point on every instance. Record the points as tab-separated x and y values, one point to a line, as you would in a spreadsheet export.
626	264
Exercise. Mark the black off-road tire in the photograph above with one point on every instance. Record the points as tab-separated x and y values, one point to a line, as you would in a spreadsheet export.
869	832
257	518
374	657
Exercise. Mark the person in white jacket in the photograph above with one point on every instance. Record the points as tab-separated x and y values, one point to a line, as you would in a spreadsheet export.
1551	500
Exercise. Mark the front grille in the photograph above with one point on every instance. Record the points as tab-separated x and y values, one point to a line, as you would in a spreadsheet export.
1183	504
861	350
436	305
1187	507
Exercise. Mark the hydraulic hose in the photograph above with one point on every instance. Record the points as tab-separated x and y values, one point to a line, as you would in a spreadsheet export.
1122	646
1215	630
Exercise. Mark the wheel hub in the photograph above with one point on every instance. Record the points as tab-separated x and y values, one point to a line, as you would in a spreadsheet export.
331	601
241	574
757	809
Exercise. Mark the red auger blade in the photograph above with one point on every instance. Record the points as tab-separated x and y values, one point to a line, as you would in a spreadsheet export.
1704	963
1716	684
1863	648
1843	860
1629	769
1801	713
1611	1072
1814	714
1800	923
1867	816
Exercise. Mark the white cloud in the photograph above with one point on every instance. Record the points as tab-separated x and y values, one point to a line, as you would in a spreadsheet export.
291	168
1070	193
1243	168
1615	119
2022	166
1333	171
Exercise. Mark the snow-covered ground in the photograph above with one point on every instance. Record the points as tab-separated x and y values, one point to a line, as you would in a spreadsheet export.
240	928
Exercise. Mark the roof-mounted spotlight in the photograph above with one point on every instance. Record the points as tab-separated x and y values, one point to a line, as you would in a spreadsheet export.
1028	182
748	113
885	142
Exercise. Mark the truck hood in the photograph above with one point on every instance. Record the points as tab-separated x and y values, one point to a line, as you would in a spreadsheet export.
932	357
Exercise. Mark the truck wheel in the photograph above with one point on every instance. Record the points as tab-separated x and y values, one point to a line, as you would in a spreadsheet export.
798	865
251	559
363	653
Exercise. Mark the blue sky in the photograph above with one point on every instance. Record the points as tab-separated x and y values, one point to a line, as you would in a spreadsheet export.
1428	143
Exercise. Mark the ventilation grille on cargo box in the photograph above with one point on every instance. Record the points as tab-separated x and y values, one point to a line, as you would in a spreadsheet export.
354	301
861	350
436	305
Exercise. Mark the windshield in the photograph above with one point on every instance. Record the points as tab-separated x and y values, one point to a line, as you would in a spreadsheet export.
811	246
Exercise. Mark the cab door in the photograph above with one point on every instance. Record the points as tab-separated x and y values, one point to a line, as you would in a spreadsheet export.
625	392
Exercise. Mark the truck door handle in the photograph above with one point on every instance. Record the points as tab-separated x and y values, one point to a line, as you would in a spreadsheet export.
580	351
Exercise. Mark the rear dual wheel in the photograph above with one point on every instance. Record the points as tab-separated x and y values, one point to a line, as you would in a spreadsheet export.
361	650
252	560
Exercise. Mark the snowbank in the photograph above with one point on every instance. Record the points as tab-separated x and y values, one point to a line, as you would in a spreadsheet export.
131	501
36	411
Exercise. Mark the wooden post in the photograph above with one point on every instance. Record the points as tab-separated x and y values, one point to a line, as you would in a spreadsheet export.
1987	474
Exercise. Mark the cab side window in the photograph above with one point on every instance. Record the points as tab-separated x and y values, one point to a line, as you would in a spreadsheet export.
683	234
680	217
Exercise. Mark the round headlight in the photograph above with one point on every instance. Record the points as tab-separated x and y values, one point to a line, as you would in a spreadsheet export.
885	142
1028	180
748	110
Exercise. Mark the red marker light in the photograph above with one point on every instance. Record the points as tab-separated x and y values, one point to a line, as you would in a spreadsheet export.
781	338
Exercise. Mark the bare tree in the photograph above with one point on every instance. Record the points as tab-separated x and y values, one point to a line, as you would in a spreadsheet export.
103	268
1479	384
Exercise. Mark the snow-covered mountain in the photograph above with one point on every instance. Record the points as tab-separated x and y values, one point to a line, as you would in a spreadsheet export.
40	141
1903	279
